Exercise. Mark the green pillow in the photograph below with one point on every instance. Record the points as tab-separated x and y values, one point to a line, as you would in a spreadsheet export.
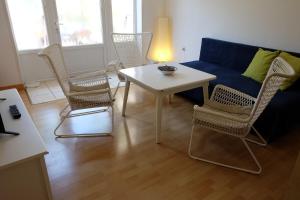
295	63
260	65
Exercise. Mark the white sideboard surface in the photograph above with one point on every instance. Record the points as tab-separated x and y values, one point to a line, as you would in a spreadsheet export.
23	173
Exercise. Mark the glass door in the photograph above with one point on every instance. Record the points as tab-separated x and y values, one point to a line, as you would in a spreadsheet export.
82	27
80	22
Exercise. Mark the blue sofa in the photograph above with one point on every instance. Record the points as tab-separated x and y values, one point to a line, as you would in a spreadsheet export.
228	60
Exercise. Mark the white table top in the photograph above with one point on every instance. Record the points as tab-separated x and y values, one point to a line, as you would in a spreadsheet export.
152	78
29	144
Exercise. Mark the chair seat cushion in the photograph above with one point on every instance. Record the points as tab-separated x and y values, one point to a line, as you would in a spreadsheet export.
85	85
89	101
204	118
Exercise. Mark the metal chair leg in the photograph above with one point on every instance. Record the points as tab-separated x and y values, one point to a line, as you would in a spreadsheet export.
112	119
87	113
68	115
263	141
258	171
118	86
63	110
170	98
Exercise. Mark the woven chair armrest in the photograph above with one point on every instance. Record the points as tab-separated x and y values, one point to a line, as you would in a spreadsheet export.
226	95
100	73
219	114
102	91
113	63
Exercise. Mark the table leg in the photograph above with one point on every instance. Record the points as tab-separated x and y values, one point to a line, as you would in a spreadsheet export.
158	117
205	92
125	97
170	98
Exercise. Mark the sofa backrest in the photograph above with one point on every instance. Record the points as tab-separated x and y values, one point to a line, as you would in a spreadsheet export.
229	54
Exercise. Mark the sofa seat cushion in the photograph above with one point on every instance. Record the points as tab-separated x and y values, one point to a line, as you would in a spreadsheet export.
228	77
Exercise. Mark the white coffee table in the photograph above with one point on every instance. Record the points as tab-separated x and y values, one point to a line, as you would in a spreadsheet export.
151	79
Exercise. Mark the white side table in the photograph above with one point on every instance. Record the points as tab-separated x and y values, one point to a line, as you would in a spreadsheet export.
151	79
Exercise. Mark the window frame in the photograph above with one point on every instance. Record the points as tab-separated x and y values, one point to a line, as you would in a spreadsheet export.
53	30
135	16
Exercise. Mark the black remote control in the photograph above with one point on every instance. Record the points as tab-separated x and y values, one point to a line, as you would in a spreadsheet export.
14	111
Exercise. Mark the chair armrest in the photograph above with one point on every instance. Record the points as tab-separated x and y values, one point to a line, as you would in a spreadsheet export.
220	114
113	63
228	96
116	64
100	73
102	91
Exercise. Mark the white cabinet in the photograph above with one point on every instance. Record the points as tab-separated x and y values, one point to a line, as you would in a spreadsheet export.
23	173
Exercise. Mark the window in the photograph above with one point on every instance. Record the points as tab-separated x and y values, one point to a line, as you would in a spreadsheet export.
29	27
80	22
123	16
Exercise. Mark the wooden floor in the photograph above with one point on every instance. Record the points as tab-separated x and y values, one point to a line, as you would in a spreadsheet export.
130	165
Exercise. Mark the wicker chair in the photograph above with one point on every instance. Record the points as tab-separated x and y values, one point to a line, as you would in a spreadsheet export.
233	113
131	50
89	91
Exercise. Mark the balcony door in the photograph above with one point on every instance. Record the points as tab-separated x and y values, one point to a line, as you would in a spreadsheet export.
80	26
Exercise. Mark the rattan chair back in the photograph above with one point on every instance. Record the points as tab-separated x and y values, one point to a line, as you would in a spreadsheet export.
132	49
279	71
54	56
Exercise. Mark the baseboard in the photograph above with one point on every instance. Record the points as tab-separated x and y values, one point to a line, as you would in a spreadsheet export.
19	87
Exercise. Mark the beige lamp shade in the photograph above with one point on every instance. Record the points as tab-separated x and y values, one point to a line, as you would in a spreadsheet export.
161	49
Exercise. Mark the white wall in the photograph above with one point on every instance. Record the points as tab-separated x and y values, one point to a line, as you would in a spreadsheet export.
9	70
152	9
269	23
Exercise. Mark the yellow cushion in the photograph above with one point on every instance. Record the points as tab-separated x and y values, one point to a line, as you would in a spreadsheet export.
295	63
260	65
